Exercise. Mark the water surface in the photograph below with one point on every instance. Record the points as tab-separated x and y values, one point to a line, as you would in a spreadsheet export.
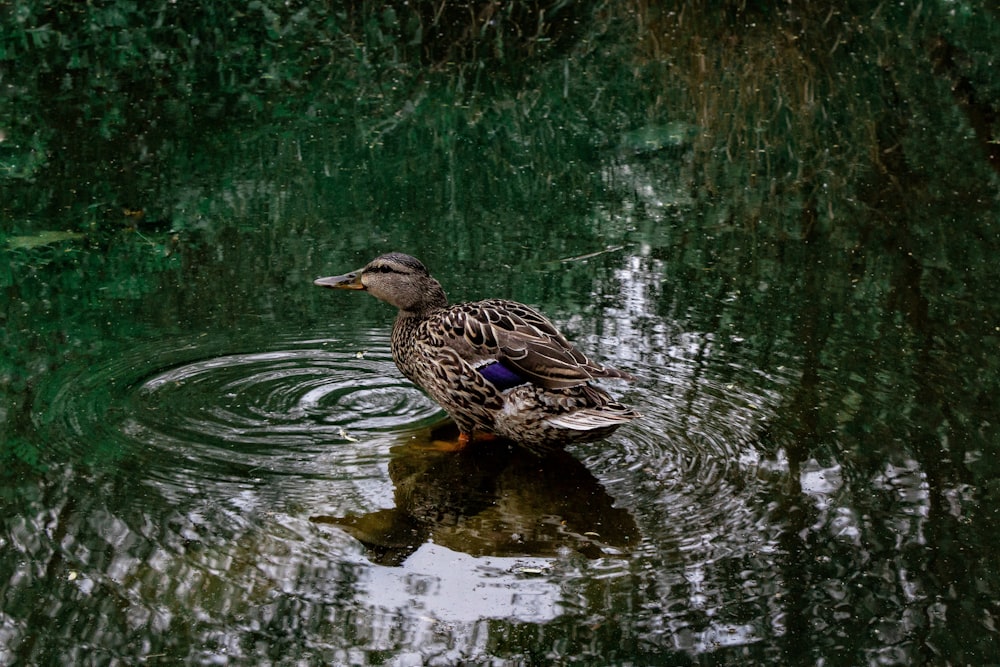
207	460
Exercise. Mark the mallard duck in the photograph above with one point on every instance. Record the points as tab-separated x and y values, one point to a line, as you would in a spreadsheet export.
497	367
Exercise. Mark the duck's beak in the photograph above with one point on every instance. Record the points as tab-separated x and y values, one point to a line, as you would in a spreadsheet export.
350	280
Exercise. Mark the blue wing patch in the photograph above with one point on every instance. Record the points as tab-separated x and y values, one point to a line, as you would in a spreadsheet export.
500	376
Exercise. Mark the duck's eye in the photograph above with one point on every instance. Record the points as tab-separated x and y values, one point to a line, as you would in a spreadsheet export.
382	268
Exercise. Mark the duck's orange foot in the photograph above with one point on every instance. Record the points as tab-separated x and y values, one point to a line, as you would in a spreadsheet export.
449	445
476	436
462	442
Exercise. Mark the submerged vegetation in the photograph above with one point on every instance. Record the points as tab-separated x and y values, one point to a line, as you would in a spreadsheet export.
806	101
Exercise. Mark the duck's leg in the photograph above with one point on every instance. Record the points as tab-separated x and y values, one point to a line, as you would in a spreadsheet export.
467	438
449	445
463	441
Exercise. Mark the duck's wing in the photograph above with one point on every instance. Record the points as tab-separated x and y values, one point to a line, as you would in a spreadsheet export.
522	339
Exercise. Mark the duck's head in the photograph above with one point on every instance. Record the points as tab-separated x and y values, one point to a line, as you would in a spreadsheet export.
398	279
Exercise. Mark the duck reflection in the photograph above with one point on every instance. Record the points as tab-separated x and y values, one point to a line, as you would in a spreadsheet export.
491	499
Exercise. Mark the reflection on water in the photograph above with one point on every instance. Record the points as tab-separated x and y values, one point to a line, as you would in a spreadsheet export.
490	499
259	491
280	495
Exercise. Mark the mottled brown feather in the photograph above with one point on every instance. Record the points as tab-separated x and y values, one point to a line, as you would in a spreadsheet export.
521	338
442	348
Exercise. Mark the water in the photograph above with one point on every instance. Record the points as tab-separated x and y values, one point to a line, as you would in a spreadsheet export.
208	460
230	469
252	493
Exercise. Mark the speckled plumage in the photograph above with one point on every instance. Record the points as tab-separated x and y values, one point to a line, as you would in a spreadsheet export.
448	351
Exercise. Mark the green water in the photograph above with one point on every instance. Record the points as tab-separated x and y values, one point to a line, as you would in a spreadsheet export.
207	460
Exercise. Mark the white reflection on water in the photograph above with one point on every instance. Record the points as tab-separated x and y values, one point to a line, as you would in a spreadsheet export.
446	586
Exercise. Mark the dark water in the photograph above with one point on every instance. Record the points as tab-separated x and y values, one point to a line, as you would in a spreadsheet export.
209	461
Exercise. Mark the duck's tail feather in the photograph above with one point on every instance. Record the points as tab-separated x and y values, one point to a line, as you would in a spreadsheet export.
589	419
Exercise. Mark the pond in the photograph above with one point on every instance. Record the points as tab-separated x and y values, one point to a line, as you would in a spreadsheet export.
208	460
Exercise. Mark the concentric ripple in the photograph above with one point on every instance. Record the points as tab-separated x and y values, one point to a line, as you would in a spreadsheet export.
286	398
179	407
694	464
